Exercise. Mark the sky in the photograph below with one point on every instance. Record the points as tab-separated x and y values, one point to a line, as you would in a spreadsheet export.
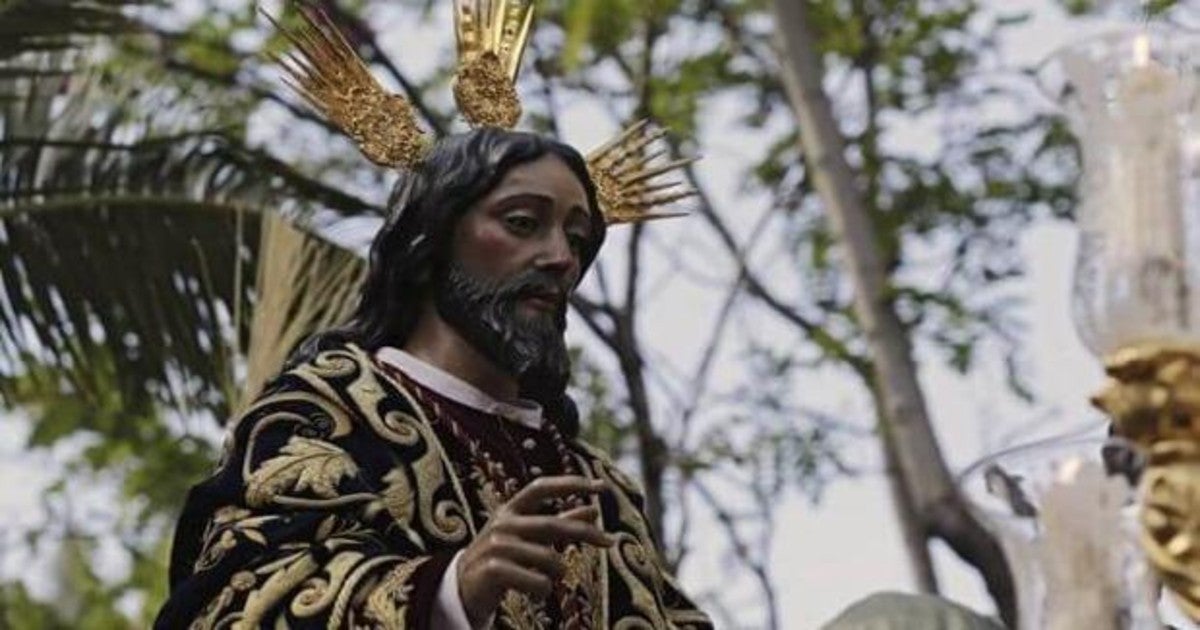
829	554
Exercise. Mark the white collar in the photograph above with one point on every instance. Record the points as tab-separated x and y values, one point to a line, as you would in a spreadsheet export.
525	412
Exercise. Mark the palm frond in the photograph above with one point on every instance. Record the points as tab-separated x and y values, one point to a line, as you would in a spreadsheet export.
139	249
133	230
144	244
53	25
304	284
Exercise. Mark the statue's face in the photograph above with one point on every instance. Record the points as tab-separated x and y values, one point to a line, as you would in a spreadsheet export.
516	257
536	218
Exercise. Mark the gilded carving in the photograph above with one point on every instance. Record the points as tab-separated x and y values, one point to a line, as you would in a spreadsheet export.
1171	518
1154	400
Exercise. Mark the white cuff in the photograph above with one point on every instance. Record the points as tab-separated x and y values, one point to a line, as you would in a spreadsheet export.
448	610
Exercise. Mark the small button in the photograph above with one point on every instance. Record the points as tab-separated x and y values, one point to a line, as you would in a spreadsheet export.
535	471
529	444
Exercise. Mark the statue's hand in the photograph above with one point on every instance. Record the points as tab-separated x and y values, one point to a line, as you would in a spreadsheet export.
516	550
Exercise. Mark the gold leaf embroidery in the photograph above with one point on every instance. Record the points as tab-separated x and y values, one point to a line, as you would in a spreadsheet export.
304	464
280	581
208	617
520	612
229	514
387	604
632	564
220	537
242	581
398	497
488	495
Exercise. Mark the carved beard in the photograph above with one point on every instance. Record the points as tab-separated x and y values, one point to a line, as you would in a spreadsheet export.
485	313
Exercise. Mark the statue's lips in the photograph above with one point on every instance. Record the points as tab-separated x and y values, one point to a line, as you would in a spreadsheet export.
548	301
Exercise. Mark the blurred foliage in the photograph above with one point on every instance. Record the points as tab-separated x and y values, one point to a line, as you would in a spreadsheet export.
1142	8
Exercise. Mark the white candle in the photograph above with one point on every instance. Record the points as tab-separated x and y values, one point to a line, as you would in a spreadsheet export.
1144	213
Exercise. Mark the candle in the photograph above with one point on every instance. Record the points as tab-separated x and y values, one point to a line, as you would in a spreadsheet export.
1142	205
1131	109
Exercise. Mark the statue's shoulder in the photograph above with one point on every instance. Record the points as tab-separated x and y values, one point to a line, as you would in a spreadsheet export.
342	380
336	407
334	364
353	377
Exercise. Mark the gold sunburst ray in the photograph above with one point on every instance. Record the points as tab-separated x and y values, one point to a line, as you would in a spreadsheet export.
492	36
325	71
626	170
501	27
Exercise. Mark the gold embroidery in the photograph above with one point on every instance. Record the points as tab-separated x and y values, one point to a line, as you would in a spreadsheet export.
428	504
628	552
294	570
334	364
398	501
351	591
582	575
520	612
242	581
400	428
431	442
632	558
398	497
221	535
208	617
489	496
387	604
318	592
446	520
304	464
637	623
600	592
229	514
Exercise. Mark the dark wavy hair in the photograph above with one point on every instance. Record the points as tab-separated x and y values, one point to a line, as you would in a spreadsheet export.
414	243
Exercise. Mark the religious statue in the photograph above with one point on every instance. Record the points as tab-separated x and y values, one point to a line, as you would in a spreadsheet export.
421	466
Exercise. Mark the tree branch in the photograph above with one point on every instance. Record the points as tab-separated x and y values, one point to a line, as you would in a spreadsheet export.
920	463
744	554
860	365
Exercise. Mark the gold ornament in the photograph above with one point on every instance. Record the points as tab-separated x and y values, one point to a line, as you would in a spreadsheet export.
1171	518
1154	401
624	170
492	36
330	75
1154	393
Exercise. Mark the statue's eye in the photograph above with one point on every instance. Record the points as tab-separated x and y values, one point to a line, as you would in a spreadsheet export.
521	223
578	241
